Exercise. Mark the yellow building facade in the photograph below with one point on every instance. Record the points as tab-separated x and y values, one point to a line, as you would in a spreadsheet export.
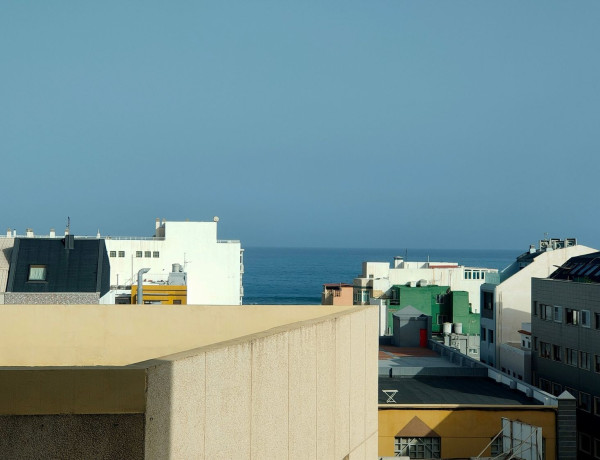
464	431
161	294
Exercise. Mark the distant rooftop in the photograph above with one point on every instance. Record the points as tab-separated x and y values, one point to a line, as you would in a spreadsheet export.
585	268
451	390
424	376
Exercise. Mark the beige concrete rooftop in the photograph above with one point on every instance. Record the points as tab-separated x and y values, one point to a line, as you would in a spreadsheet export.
119	335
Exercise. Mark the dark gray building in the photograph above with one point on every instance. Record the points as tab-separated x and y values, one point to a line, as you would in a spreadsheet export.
565	327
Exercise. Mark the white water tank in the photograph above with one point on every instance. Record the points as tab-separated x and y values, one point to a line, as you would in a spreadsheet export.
458	328
447	328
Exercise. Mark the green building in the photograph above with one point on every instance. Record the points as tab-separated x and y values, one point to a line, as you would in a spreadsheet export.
439	302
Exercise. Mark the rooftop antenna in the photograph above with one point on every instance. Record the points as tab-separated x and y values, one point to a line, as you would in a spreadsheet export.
68	224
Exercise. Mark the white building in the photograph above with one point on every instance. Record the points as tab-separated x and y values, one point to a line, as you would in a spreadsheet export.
377	278
505	306
214	267
516	356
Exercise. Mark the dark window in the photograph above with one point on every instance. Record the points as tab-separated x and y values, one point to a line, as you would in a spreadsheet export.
572	316
491	335
155	254
556	353
584	360
488	300
113	254
483	336
121	253
147	254
585	402
138	253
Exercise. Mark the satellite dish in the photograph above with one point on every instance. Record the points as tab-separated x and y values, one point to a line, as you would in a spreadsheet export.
216	219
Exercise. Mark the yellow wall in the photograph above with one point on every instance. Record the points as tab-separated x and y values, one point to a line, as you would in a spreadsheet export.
465	432
116	335
165	294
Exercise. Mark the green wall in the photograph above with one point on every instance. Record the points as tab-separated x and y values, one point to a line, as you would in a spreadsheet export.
454	305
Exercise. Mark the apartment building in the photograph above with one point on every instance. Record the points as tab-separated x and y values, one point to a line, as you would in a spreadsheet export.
506	300
565	327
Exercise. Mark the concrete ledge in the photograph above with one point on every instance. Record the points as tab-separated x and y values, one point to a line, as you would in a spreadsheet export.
42	391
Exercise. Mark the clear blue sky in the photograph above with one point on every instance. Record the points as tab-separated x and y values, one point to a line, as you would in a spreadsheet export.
304	123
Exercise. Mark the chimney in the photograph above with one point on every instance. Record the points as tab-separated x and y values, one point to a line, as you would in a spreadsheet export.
157	223
66	231
52	233
8	232
98	234
29	233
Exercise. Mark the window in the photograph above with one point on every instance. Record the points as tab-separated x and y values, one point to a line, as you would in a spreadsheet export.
483	338
596	447
467	274
585	402
585	318
556	353
535	343
571	356
572	316
37	273
545	350
113	254
557	314
147	254
155	254
597	406
439	298
556	389
491	335
584	360
545	385
365	296
121	253
596	363
418	447
138	253
573	392
535	308
546	312
585	443
441	319
597	320
488	300
496	446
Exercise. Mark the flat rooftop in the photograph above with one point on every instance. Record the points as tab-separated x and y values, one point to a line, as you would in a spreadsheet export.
120	335
450	390
421	376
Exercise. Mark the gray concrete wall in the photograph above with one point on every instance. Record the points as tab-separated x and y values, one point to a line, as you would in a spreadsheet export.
308	390
70	436
43	298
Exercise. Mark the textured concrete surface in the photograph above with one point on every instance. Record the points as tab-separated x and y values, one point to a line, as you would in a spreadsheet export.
228	402
343	361
358	380
326	389
270	393
72	437
302	411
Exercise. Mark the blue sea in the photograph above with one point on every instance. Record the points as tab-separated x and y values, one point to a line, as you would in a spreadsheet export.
295	276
